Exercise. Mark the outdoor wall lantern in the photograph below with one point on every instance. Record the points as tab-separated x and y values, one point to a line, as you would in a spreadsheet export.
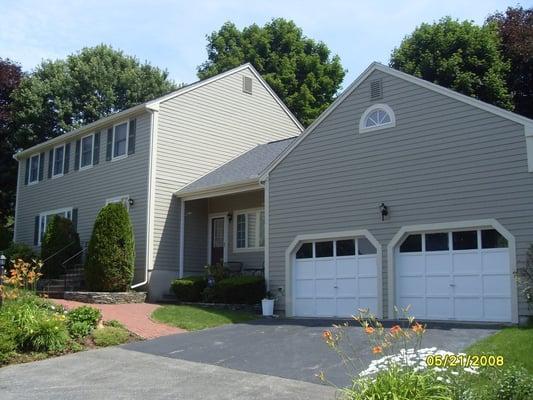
131	202
230	217
383	210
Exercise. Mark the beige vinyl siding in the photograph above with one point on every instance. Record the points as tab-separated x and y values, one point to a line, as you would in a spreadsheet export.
195	237
445	161
88	189
199	131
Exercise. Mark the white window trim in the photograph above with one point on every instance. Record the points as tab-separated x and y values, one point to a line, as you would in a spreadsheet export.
52	212
81	152
113	158
30	182
372	108
54	175
119	199
257	233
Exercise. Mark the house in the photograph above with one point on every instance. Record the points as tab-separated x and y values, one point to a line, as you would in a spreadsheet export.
401	193
140	157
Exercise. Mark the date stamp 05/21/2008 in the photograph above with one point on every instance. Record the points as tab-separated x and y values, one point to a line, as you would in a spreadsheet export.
464	360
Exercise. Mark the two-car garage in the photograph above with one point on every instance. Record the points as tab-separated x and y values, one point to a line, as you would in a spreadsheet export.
455	274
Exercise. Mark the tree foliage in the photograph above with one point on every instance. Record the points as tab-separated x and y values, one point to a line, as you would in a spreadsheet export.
111	254
10	76
302	71
60	233
515	28
459	55
65	94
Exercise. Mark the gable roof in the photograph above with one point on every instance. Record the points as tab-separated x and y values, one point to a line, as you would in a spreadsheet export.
245	168
375	66
153	105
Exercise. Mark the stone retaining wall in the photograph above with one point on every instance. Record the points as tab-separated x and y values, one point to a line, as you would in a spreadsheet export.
106	297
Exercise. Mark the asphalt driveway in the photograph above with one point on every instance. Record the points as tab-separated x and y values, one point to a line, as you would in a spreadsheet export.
291	348
263	360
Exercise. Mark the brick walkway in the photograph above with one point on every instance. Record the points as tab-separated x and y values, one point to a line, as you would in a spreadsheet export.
136	317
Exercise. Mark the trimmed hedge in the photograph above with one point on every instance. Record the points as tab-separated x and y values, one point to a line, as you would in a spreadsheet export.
189	288
238	290
59	233
111	253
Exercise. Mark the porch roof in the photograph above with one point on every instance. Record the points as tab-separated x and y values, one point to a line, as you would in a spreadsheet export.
244	169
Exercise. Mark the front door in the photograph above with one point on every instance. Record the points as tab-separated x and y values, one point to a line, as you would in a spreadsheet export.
217	240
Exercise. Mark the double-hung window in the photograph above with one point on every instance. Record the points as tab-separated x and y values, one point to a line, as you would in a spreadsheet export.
46	217
249	230
87	148
34	169
120	140
59	161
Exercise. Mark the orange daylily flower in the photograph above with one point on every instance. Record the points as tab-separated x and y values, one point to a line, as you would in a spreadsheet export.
327	335
369	330
395	330
377	349
418	328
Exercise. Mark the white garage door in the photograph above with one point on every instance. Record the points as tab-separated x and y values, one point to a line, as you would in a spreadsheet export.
335	278
461	275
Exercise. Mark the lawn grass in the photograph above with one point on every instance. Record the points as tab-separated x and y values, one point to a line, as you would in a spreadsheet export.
193	318
514	344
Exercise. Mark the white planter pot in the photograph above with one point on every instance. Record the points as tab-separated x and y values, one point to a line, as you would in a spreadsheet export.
268	307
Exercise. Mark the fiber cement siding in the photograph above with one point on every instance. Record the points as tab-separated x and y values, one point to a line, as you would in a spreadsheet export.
87	190
199	131
445	161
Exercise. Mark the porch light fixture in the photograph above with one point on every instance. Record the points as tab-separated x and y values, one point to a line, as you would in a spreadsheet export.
230	217
383	210
131	202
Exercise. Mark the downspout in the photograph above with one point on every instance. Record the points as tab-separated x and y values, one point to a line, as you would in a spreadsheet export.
154	117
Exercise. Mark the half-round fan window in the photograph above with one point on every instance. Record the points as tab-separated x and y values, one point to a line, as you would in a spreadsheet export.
378	116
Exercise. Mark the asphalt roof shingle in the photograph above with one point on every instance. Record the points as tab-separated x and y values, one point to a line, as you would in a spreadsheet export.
245	167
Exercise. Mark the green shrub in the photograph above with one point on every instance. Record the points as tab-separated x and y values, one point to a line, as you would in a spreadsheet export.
6	235
8	343
82	320
110	336
513	384
400	384
237	290
19	250
189	288
114	324
47	334
37	327
111	253
60	232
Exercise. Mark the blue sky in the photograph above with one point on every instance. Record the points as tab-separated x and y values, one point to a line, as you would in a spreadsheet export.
171	34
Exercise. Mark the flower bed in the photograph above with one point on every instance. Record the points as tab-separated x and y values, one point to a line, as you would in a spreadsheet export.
106	297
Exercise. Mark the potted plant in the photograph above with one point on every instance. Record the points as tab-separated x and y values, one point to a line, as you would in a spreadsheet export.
268	303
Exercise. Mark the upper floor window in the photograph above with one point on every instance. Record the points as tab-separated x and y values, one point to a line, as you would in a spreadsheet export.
120	140
59	161
34	169
378	116
87	148
249	230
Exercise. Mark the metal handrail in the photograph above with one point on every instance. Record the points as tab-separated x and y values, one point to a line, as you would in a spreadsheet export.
64	265
59	251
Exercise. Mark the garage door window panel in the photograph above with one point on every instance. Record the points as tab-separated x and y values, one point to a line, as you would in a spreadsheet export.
464	240
324	249
345	247
364	247
492	239
411	244
437	241
305	251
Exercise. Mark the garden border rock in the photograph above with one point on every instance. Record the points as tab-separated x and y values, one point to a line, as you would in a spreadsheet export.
106	297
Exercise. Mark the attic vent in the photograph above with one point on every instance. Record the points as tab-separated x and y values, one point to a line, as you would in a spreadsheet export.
376	89
247	84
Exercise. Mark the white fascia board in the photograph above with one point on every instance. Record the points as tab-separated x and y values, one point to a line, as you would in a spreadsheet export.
402	75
